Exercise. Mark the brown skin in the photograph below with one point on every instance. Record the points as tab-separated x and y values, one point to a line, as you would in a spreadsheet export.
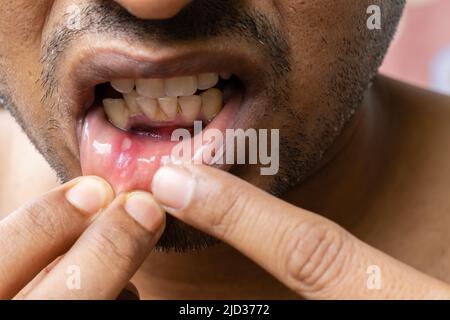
329	69
392	150
414	232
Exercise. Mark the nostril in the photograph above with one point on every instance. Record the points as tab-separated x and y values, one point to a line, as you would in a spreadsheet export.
154	9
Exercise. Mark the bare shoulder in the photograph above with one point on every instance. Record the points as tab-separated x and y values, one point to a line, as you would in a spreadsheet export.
5	131
20	164
406	97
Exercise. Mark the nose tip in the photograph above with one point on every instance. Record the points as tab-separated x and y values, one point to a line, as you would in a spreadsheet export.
154	9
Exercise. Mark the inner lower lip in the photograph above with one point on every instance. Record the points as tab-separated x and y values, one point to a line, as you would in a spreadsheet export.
128	160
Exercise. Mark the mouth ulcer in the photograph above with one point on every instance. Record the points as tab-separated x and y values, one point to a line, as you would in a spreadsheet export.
126	134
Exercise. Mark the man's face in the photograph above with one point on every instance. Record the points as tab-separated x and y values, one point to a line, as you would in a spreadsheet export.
297	66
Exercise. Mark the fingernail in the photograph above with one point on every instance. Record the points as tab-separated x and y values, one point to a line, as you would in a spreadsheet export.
90	195
143	208
173	187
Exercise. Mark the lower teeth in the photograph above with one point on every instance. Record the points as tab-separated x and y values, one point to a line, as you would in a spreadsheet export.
167	109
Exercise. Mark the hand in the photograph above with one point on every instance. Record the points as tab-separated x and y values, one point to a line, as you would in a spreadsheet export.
105	239
308	253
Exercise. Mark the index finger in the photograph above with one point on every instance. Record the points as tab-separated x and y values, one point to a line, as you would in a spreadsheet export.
34	235
308	253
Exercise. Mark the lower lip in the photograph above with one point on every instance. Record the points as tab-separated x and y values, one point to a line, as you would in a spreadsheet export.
128	161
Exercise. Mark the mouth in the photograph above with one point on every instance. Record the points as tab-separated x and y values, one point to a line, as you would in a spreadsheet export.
125	130
156	107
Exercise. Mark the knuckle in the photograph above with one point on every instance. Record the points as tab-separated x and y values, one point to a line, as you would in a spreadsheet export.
315	257
115	243
222	213
43	219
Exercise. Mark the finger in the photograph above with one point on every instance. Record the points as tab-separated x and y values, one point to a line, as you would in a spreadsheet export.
154	9
33	236
109	252
37	279
308	253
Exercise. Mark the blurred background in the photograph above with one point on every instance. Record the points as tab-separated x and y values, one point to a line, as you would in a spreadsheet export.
420	53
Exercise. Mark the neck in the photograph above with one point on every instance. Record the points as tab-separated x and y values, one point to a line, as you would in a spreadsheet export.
349	174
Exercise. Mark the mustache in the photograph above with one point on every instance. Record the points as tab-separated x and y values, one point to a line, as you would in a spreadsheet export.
200	20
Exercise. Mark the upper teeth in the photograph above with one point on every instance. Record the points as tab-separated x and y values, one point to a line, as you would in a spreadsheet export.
164	99
123	85
181	87
207	80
